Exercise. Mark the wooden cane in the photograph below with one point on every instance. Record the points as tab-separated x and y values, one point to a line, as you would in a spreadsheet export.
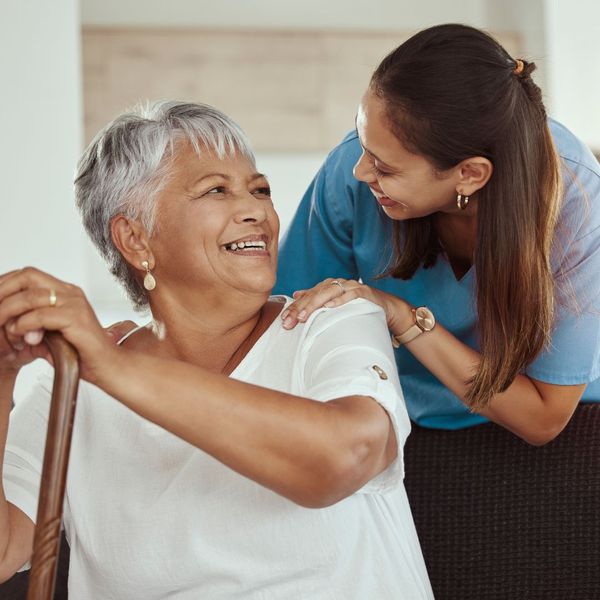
42	578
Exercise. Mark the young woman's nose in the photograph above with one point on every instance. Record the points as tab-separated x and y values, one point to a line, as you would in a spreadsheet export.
363	169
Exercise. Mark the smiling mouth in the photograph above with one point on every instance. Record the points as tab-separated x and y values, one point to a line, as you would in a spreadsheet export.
385	201
250	246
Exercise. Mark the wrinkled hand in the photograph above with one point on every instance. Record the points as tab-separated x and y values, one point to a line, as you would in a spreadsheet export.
15	353
27	310
330	294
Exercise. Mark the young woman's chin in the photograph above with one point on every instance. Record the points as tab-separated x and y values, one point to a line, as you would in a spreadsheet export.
401	212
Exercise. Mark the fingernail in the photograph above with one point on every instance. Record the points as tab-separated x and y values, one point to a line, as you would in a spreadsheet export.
284	314
287	323
302	315
328	304
11	327
33	338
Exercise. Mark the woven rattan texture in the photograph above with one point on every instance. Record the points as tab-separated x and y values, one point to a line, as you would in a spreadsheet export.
499	519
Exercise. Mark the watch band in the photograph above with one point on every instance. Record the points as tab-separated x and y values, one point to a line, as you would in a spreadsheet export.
408	336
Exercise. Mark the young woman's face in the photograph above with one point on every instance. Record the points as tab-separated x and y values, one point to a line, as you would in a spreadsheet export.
216	228
405	184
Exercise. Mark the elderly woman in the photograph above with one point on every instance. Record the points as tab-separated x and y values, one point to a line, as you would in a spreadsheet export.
215	454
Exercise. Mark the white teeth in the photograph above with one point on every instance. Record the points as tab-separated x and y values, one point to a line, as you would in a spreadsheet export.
259	244
247	245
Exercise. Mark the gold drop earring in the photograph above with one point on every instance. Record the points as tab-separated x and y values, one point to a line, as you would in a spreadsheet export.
149	281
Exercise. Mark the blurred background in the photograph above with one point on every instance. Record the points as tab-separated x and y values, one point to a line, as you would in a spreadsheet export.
290	73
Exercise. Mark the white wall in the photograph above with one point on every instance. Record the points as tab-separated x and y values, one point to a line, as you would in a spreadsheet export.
526	19
289	14
41	125
560	36
573	55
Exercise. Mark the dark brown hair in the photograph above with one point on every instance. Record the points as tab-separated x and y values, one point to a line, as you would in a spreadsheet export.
451	92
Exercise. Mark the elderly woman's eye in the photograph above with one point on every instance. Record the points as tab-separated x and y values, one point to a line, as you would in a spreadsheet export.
263	191
216	190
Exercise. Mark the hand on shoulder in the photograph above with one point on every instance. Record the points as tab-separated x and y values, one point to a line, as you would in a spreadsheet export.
332	293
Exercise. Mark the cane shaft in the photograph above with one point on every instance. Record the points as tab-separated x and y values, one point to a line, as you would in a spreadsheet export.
54	474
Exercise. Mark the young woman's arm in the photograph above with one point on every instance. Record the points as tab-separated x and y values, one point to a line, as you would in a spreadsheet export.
531	409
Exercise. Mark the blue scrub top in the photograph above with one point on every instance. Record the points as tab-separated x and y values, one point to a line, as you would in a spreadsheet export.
340	231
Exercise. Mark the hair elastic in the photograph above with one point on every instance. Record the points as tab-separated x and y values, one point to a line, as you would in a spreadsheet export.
519	66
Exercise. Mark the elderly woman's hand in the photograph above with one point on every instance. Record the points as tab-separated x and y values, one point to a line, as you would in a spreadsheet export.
335	292
31	302
15	353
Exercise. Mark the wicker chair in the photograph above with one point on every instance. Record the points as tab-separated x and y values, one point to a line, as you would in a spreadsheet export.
499	519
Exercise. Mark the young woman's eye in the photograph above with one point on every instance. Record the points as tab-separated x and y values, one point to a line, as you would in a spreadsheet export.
378	172
263	191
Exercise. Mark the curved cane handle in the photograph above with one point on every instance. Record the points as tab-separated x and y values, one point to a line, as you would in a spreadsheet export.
54	474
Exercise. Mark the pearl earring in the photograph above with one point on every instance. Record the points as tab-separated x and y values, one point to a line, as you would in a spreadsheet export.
149	281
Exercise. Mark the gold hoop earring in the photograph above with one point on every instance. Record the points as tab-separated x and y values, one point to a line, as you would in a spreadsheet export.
462	201
149	281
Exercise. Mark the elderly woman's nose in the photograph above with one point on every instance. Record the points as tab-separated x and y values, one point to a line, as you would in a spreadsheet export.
252	209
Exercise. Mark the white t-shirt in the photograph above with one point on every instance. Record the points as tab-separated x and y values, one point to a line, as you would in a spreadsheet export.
150	516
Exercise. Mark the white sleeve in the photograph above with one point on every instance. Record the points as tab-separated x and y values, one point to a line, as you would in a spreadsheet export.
348	352
25	445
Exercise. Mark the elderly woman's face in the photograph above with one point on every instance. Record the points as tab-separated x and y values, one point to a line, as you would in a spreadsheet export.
216	228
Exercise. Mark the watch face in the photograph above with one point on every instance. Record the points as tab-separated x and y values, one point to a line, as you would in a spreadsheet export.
424	318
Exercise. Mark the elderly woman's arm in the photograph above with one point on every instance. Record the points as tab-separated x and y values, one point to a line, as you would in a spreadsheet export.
314	453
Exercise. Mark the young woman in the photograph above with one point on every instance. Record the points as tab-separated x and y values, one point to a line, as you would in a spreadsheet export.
214	454
474	221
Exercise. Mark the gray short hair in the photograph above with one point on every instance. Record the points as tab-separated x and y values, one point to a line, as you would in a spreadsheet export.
127	164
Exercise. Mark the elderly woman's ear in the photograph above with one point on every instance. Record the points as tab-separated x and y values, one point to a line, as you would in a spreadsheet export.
131	240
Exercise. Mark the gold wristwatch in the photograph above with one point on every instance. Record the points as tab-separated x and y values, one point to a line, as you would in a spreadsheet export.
424	322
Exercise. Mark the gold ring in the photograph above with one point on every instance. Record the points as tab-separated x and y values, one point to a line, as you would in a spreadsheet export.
336	282
52	299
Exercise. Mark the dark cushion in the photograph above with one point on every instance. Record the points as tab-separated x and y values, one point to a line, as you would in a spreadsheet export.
500	519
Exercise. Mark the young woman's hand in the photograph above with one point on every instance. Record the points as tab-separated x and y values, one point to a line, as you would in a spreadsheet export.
335	292
32	302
